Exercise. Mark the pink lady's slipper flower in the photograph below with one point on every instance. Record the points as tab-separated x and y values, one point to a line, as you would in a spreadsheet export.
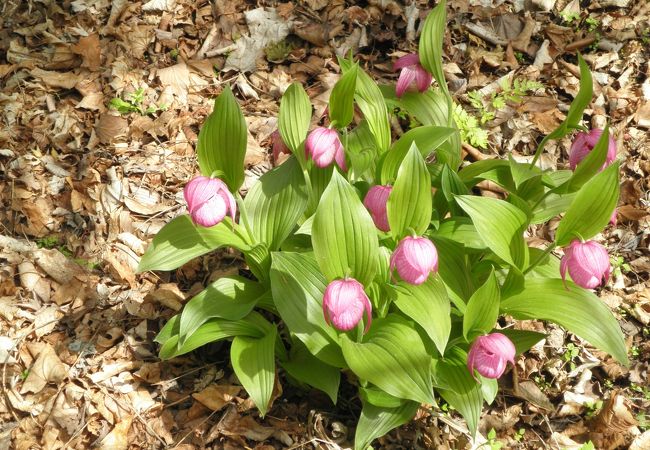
587	263
279	147
208	201
411	71
585	142
490	354
375	202
344	303
324	146
414	258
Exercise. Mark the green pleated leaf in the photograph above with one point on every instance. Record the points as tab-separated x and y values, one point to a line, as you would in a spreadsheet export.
253	360
429	108
550	206
489	389
482	309
341	105
591	208
523	339
410	202
305	367
343	234
458	388
222	141
180	241
576	309
253	325
428	305
294	119
461	229
298	288
452	185
371	103
381	359
501	225
455	270
430	49
361	148
276	202
522	172
427	139
228	298
376	421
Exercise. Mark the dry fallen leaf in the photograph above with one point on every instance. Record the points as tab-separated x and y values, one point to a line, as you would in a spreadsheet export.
216	396
117	439
47	368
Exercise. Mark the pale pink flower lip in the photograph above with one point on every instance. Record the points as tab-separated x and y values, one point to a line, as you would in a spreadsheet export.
344	303
375	202
489	355
584	143
208	201
414	258
411	71
587	263
324	146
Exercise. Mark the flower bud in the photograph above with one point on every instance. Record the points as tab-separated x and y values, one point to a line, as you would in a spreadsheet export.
414	258
279	147
587	263
324	146
344	303
208	201
490	354
375	203
585	143
411	71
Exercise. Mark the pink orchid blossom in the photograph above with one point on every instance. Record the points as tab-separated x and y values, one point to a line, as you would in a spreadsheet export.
411	71
587	263
344	304
324	146
414	258
585	143
375	203
208	201
490	354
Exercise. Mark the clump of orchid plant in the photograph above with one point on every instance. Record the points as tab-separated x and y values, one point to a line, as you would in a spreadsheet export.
379	256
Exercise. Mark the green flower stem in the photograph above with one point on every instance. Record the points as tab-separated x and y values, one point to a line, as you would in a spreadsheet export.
534	264
243	215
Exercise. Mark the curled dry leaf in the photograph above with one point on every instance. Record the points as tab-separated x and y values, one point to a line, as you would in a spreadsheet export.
47	368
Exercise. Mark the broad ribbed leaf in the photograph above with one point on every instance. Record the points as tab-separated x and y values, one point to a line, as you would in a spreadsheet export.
461	229
222	141
501	225
427	139
294	119
430	49
276	202
229	298
382	359
458	388
253	360
451	185
375	421
305	367
343	234
361	148
482	309
371	103
180	240
253	325
591	208
410	202
454	269
428	305
341	105
523	339
551	205
298	288
574	308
